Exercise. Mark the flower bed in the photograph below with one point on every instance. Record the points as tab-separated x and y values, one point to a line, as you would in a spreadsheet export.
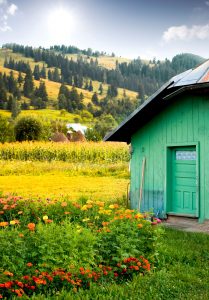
50	245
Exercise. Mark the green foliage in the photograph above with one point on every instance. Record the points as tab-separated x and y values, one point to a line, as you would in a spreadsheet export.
124	239
105	124
6	130
15	108
93	135
28	129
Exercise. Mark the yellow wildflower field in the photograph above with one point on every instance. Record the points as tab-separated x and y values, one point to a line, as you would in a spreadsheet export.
62	185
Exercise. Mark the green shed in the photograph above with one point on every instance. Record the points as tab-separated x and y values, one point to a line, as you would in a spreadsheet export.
169	137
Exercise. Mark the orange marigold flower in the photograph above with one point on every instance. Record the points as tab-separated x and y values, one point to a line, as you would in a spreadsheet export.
21	235
48	221
20	284
66	212
8	273
89	205
64	204
3	224
105	223
31	226
29	264
1	212
139	225
8	284
20	212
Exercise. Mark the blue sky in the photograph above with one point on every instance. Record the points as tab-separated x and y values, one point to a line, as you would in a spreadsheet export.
130	28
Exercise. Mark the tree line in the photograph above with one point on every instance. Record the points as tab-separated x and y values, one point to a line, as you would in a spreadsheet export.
142	77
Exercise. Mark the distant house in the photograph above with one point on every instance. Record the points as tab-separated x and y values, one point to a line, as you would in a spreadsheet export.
76	132
77	127
169	136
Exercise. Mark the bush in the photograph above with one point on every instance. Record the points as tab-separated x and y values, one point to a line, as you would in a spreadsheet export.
28	129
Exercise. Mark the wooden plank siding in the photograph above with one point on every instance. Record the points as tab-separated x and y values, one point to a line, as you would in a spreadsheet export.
184	122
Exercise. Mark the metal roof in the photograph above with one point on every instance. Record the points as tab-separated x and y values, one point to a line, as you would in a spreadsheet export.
192	79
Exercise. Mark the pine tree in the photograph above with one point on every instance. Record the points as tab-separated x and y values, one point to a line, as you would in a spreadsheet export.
12	85
20	79
28	86
90	86
43	72
95	99
49	75
112	91
36	72
40	96
62	102
100	89
56	75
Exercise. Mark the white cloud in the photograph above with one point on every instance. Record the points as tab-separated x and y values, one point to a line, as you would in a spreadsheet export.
11	10
6	10
184	33
207	3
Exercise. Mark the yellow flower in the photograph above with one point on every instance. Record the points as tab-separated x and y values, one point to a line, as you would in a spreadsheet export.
13	222
89	202
84	207
86	220
111	206
96	217
138	216
45	218
127	211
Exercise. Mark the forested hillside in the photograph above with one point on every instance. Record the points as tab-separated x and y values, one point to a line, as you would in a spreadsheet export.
40	78
136	75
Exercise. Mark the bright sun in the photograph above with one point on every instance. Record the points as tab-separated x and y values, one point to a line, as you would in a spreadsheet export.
60	23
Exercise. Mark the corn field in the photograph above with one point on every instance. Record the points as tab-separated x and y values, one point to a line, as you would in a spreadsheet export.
69	152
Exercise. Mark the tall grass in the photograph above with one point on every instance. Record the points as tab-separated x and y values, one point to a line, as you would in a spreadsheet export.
70	152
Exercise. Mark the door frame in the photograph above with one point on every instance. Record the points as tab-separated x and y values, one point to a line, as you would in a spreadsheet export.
168	174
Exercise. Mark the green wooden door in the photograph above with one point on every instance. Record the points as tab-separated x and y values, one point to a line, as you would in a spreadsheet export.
184	181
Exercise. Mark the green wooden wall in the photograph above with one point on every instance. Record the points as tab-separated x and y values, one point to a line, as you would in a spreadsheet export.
184	122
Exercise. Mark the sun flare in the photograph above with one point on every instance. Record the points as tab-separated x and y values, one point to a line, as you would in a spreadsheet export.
61	23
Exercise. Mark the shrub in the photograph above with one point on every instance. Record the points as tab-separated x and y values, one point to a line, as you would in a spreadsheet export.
28	129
